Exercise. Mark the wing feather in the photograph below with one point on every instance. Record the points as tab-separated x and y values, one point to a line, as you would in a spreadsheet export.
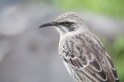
84	56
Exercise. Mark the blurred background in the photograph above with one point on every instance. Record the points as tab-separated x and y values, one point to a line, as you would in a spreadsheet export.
29	54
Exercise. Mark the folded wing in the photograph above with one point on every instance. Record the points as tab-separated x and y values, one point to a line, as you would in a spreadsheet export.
84	56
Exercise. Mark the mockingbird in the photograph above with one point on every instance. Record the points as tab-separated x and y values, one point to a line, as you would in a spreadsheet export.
81	51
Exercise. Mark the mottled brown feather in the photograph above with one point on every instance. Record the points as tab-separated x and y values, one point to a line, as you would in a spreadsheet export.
86	58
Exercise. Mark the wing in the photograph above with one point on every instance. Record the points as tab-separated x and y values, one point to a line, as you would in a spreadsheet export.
85	53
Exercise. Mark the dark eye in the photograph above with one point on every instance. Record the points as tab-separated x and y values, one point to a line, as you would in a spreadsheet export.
67	24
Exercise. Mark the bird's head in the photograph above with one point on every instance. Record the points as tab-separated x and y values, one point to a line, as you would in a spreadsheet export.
67	22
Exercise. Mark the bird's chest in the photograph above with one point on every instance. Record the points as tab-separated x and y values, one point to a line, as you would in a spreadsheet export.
67	47
61	49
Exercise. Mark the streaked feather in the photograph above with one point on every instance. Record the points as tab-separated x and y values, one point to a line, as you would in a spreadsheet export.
88	57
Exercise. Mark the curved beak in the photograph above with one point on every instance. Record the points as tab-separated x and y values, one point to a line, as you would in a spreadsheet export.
50	24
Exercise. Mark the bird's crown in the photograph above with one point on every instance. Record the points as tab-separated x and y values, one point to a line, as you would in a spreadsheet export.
69	15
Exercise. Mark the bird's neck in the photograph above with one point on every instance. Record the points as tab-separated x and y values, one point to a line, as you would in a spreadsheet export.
72	33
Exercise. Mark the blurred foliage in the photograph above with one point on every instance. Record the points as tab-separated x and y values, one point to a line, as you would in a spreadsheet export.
116	51
113	8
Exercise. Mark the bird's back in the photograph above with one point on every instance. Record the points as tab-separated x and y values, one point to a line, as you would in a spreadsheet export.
86	59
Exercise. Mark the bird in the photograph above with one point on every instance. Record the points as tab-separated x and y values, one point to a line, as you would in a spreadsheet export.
81	51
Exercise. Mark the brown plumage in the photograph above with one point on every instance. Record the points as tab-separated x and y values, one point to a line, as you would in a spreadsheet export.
81	51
